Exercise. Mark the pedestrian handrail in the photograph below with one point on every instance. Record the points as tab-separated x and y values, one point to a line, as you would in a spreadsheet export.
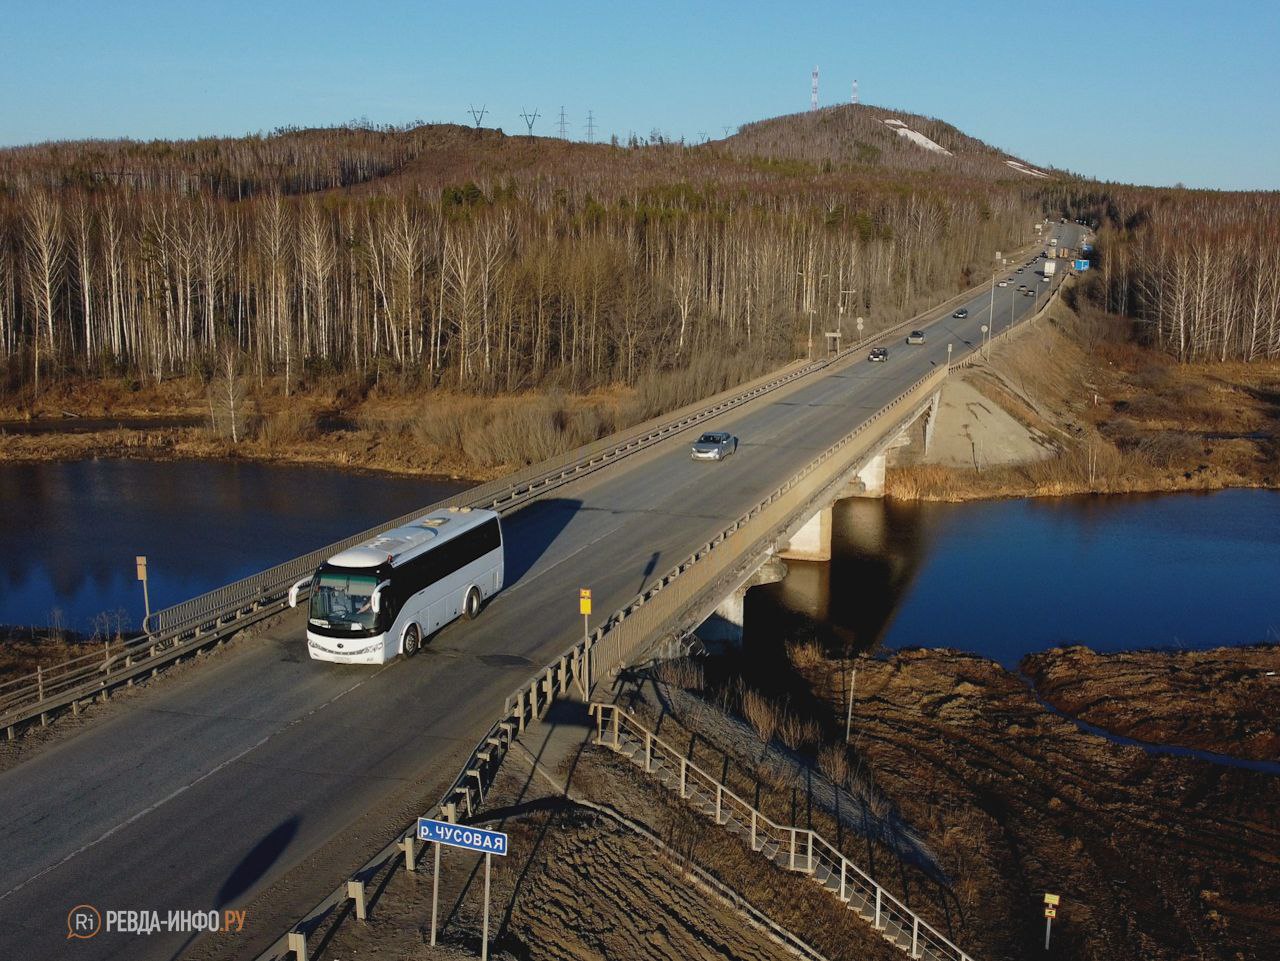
802	849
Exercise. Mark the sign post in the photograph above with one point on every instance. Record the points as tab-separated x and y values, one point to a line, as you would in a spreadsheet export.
584	608
472	839
1050	912
858	323
141	561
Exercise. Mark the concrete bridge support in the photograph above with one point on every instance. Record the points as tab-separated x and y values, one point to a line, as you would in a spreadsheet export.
811	542
724	627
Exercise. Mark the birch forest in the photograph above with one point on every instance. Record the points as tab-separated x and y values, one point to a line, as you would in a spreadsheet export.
1199	271
444	256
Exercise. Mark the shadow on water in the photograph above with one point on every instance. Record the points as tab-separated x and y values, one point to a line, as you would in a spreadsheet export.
529	533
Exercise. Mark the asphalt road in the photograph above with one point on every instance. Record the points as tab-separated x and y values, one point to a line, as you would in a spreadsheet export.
261	778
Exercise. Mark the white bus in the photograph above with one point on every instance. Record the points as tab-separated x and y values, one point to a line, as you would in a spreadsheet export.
383	597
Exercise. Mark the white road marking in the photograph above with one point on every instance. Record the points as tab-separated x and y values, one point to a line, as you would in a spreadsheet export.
186	787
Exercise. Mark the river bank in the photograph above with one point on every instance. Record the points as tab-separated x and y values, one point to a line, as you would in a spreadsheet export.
1099	413
1154	856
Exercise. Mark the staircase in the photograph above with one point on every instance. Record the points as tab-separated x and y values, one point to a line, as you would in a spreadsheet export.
791	848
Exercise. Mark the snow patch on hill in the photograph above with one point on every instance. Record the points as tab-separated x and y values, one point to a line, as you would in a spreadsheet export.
1024	169
915	136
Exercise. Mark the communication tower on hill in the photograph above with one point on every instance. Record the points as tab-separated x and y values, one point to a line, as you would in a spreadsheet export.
813	91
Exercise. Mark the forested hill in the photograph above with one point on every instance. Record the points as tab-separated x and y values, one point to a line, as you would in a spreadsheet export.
867	137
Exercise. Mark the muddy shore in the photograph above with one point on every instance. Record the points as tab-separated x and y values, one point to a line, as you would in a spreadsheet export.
1155	857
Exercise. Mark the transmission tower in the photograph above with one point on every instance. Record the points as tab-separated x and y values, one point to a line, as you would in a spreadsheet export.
854	97
478	115
702	136
529	119
564	126
726	128
813	91
591	127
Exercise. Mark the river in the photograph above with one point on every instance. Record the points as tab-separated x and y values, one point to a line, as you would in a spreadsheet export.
1000	578
69	531
1004	578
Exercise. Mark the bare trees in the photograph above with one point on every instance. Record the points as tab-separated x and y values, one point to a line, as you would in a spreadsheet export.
586	275
45	254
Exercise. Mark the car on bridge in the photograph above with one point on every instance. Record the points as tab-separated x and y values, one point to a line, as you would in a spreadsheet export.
915	337
714	445
1003	283
878	355
962	313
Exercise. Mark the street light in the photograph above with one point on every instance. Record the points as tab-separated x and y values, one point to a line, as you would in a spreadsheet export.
949	356
986	340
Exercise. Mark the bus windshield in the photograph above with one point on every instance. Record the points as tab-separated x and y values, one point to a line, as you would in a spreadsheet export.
343	600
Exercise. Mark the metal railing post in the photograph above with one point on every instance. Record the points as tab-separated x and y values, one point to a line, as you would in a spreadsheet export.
719	801
878	893
810	856
915	936
617	744
753	829
792	863
648	753
684	777
843	864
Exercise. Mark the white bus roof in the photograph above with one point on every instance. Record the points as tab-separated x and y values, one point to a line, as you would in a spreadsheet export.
390	546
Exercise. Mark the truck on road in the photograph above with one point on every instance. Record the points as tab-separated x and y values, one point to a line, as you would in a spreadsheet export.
1050	268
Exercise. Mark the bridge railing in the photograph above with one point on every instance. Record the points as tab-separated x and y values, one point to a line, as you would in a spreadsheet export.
177	631
627	633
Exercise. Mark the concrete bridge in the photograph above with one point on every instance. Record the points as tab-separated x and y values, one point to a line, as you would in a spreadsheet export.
261	780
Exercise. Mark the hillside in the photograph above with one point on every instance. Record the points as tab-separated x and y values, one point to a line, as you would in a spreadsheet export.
862	136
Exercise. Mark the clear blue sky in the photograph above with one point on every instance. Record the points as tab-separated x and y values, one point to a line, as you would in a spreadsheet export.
1141	91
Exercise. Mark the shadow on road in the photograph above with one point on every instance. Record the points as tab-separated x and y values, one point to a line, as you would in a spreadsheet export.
529	533
258	861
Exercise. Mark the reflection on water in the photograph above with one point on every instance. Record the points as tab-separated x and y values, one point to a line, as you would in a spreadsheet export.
69	531
1003	578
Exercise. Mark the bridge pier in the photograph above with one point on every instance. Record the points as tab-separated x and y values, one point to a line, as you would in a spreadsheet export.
724	627
812	542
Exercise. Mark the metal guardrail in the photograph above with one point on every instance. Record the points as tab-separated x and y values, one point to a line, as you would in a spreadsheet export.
627	633
179	631
184	629
802	849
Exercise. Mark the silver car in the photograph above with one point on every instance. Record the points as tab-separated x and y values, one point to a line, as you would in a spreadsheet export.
915	337
714	445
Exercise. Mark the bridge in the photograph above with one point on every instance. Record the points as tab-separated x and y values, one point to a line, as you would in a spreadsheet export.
259	779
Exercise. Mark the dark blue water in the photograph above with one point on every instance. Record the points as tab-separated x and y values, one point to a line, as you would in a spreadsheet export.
69	531
1004	578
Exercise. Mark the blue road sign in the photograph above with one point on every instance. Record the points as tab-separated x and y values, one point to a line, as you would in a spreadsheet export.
462	836
1080	265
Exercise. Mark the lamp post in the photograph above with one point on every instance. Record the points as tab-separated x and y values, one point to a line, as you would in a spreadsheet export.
949	356
986	341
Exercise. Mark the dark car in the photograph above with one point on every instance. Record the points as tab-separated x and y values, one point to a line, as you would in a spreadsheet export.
961	313
878	355
714	445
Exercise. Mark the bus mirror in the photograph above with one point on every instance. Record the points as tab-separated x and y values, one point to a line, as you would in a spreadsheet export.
293	591
375	601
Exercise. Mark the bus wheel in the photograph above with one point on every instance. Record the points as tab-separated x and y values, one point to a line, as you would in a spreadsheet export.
411	641
471	606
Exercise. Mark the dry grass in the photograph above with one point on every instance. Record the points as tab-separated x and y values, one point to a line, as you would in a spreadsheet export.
682	672
760	712
805	654
291	425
